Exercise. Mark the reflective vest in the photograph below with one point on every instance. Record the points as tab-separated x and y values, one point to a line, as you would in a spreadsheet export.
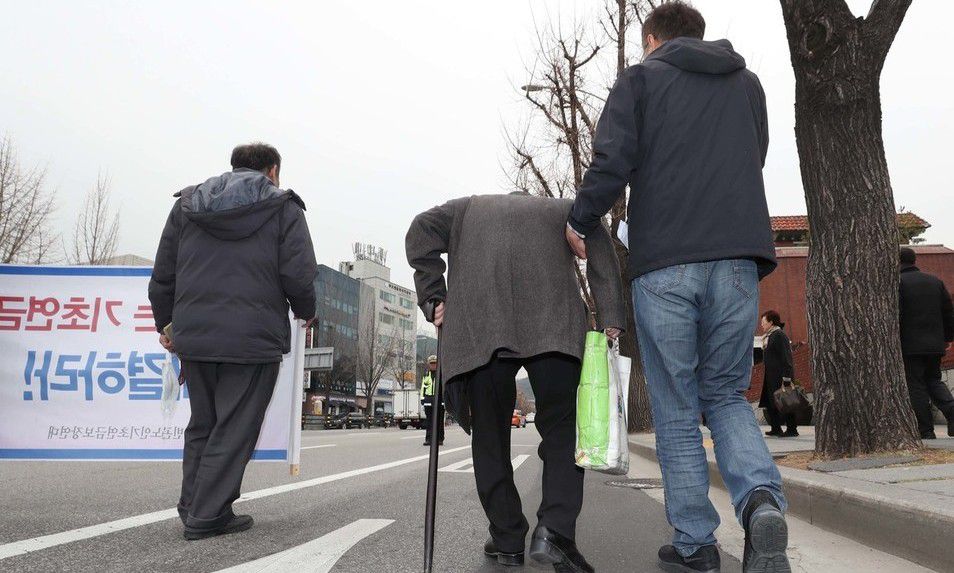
427	385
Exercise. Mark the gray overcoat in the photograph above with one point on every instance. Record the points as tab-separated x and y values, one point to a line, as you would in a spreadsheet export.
511	286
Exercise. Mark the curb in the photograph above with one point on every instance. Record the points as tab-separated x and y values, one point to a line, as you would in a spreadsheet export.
918	533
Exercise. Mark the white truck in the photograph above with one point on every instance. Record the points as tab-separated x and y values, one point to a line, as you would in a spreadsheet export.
408	411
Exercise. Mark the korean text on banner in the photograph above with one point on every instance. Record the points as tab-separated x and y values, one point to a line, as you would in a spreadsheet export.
81	371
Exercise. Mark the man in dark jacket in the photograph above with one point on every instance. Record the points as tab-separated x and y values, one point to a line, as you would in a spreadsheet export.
234	254
686	129
927	329
513	300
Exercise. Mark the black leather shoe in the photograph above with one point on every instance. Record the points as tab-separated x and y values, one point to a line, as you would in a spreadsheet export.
705	560
790	434
508	559
774	433
238	523
427	442
929	436
551	548
950	427
766	536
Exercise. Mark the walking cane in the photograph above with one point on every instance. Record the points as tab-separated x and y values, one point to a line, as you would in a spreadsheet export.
430	504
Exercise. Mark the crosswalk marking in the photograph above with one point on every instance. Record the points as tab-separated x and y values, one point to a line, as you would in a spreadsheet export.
52	540
467	466
317	556
321	446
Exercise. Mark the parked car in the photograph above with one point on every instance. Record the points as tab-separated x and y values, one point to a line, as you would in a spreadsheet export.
531	417
518	420
347	421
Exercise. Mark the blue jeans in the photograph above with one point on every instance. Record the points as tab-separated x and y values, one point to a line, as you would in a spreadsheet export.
695	324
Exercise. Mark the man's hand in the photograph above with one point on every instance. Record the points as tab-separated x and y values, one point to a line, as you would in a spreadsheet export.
439	315
613	333
166	343
576	242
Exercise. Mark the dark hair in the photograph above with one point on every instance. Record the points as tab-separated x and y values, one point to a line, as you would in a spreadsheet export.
773	317
672	20
907	256
256	156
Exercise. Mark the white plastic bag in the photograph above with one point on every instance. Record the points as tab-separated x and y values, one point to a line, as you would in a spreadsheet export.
617	455
170	388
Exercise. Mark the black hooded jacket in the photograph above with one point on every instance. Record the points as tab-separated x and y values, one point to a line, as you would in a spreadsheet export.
927	315
234	254
687	131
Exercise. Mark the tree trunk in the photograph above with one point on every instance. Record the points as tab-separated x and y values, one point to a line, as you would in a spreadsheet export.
862	403
640	415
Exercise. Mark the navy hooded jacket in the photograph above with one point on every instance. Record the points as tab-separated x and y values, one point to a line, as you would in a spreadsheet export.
687	131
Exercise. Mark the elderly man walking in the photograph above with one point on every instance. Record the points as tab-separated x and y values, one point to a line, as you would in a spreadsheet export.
511	299
234	255
687	130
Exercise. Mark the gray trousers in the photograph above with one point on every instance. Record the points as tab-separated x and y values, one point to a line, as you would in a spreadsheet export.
228	406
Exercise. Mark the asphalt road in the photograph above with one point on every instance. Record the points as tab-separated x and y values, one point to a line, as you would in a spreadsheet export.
357	507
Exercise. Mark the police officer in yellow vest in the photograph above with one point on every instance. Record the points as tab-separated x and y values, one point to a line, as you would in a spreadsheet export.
427	399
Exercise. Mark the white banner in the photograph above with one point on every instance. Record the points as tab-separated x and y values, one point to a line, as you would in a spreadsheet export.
81	365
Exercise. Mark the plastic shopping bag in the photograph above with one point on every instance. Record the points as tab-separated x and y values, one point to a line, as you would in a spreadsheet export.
170	388
617	458
592	405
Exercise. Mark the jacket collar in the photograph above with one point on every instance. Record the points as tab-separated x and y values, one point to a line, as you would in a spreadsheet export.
909	269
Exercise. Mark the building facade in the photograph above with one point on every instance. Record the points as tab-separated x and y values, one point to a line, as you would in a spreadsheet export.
387	331
336	326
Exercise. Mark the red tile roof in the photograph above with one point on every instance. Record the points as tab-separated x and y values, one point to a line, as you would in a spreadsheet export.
800	222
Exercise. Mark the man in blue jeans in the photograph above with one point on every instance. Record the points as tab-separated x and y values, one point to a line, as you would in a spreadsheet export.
686	129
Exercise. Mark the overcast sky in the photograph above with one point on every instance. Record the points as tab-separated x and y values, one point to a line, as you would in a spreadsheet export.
380	109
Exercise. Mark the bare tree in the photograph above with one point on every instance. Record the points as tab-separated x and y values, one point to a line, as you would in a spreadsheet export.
403	362
26	207
566	90
375	355
862	403
97	227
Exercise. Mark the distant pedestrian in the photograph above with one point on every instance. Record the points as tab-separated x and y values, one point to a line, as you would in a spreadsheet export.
687	130
513	301
235	253
927	331
427	400
779	371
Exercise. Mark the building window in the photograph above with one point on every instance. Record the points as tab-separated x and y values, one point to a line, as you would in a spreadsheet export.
407	324
408	304
388	297
385	318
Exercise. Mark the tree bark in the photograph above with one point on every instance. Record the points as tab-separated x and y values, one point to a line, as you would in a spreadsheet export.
862	404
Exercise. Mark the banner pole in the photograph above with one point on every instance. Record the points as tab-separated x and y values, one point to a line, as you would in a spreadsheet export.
294	435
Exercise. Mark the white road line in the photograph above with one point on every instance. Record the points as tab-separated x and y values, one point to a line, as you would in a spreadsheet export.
362	434
317	556
467	466
321	446
52	540
461	467
417	437
518	461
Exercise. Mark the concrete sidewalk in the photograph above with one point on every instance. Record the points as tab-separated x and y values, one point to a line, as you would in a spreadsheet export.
906	511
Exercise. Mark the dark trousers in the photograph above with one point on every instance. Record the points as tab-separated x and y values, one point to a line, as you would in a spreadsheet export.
776	419
554	378
228	406
923	373
429	419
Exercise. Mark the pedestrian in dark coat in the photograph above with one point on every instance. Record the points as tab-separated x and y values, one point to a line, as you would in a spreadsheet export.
513	300
927	329
779	371
234	255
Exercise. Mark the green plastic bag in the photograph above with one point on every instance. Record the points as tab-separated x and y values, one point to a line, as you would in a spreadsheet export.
592	405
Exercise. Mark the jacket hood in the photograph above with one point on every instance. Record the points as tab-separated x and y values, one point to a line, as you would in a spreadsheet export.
699	56
909	268
234	205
